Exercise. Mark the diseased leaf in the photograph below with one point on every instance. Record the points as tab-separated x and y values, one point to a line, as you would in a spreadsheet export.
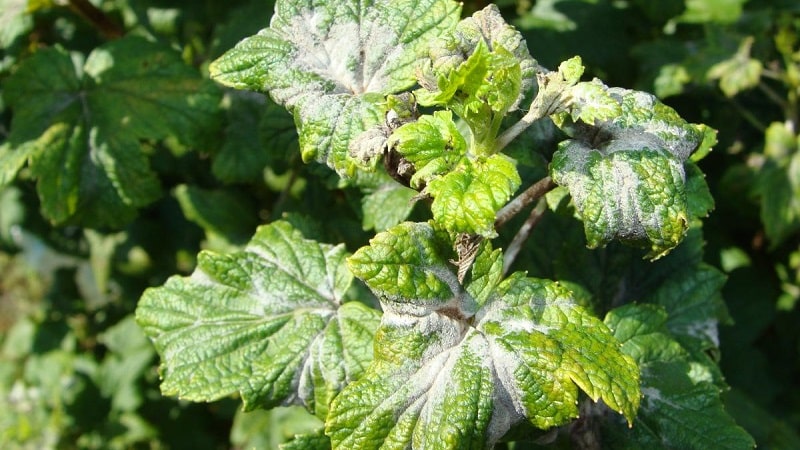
592	104
80	125
408	261
332	64
635	194
438	383
475	59
467	199
680	408
267	323
480	71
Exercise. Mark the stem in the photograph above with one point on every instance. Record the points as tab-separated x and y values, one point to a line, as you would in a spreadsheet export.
524	199
523	234
108	28
773	95
748	116
515	130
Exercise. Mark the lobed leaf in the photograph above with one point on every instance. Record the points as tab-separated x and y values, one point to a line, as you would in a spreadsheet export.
635	193
680	408
408	261
437	382
79	125
267	323
331	64
467	199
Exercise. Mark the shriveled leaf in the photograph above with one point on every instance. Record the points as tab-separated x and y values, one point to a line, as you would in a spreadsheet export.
267	323
477	56
636	194
83	122
330	63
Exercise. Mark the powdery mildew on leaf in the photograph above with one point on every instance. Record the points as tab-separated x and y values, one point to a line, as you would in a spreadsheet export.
446	377
267	323
332	63
679	408
625	168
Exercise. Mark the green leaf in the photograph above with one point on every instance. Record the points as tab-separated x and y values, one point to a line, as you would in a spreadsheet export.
678	409
739	73
243	158
778	183
700	201
271	429
80	125
432	144
438	383
408	263
467	199
225	216
387	206
712	11
635	193
14	21
331	64
267	323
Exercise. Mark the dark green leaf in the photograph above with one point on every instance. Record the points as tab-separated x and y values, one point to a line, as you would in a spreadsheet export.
80	125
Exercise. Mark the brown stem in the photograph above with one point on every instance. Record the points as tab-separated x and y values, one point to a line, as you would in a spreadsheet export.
523	234
108	28
524	199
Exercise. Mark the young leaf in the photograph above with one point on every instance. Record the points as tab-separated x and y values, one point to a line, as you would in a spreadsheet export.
80	125
267	323
408	262
437	382
679	409
467	199
476	56
480	71
432	144
322	62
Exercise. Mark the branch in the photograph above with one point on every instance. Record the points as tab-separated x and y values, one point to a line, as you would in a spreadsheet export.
522	235
524	199
108	28
515	130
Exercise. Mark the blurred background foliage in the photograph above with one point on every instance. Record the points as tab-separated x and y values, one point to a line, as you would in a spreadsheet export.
76	372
